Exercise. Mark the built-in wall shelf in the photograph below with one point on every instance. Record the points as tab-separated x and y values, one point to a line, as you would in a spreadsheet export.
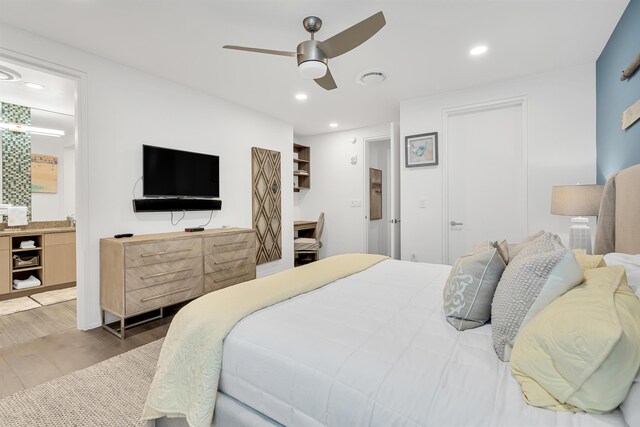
302	170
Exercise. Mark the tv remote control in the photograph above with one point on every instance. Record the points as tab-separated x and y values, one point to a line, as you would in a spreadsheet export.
120	236
192	229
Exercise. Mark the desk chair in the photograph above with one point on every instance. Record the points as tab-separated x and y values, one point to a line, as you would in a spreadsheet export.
307	249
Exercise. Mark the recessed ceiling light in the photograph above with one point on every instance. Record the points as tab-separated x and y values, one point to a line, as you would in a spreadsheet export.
34	85
9	75
301	96
478	50
333	125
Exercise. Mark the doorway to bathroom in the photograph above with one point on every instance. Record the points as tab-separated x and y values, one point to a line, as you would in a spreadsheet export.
39	137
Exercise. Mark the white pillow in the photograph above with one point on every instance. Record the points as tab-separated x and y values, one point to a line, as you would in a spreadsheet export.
631	265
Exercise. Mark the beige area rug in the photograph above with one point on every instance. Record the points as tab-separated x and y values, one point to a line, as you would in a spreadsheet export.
108	394
16	305
54	297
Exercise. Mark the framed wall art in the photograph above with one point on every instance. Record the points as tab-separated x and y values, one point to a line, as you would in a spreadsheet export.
44	173
421	150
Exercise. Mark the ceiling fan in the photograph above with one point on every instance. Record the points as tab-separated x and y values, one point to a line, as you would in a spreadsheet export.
313	55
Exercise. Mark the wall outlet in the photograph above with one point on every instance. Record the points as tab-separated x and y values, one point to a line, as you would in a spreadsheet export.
356	203
422	203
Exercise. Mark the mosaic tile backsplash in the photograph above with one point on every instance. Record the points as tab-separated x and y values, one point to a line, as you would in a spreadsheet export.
16	158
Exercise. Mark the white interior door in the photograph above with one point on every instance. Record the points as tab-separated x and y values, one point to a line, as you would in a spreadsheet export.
394	191
486	177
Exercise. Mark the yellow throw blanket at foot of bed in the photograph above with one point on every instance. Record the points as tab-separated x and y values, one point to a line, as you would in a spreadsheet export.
186	379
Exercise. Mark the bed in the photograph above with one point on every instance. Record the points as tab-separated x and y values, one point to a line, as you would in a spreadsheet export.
374	349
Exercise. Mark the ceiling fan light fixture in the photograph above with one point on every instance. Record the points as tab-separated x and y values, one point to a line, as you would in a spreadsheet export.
312	69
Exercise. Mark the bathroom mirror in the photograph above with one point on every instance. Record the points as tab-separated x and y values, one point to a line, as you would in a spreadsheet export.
52	168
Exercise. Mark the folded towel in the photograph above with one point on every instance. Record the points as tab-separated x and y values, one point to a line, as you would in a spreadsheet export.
17	216
31	282
26	244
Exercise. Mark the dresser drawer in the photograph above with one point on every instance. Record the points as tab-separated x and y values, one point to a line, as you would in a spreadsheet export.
160	252
226	260
156	274
153	297
228	242
232	276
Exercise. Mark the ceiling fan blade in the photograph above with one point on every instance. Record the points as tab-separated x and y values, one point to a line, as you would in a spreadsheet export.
257	50
327	82
353	36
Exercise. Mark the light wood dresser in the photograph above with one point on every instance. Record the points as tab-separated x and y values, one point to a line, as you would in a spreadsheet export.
146	273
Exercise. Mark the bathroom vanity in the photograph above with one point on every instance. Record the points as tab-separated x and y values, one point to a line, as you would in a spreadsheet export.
51	259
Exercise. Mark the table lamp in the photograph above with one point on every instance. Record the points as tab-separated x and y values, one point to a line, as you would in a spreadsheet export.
577	201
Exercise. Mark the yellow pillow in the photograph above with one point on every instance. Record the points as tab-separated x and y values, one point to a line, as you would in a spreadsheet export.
589	261
582	352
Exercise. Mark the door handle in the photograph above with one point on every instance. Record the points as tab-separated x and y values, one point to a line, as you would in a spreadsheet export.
453	223
394	221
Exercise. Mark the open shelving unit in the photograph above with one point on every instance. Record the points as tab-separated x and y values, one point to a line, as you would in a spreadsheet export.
52	260
302	169
22	273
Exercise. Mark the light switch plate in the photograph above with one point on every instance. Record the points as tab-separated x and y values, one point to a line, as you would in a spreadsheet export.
422	203
356	203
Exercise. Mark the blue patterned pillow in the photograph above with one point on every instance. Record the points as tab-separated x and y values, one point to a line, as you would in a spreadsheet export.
469	289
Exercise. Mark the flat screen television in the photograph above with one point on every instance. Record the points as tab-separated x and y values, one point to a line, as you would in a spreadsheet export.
175	173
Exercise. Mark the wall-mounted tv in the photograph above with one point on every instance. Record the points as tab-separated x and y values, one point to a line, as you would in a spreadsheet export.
175	173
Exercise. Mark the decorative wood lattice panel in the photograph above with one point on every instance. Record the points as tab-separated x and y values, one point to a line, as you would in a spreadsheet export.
267	206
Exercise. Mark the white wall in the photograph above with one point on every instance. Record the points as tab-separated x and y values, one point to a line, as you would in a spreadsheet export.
128	108
561	150
335	183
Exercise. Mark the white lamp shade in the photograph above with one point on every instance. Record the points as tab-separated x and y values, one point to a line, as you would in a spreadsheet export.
576	200
312	69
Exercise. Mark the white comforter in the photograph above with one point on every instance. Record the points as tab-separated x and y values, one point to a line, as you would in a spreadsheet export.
374	349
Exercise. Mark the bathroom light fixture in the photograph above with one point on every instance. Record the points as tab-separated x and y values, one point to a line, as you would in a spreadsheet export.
333	125
32	85
301	96
478	50
14	127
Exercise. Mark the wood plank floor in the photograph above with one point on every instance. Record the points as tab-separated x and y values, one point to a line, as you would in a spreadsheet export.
42	344
24	326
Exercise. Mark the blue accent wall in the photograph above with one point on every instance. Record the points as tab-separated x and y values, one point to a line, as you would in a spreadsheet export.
618	149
